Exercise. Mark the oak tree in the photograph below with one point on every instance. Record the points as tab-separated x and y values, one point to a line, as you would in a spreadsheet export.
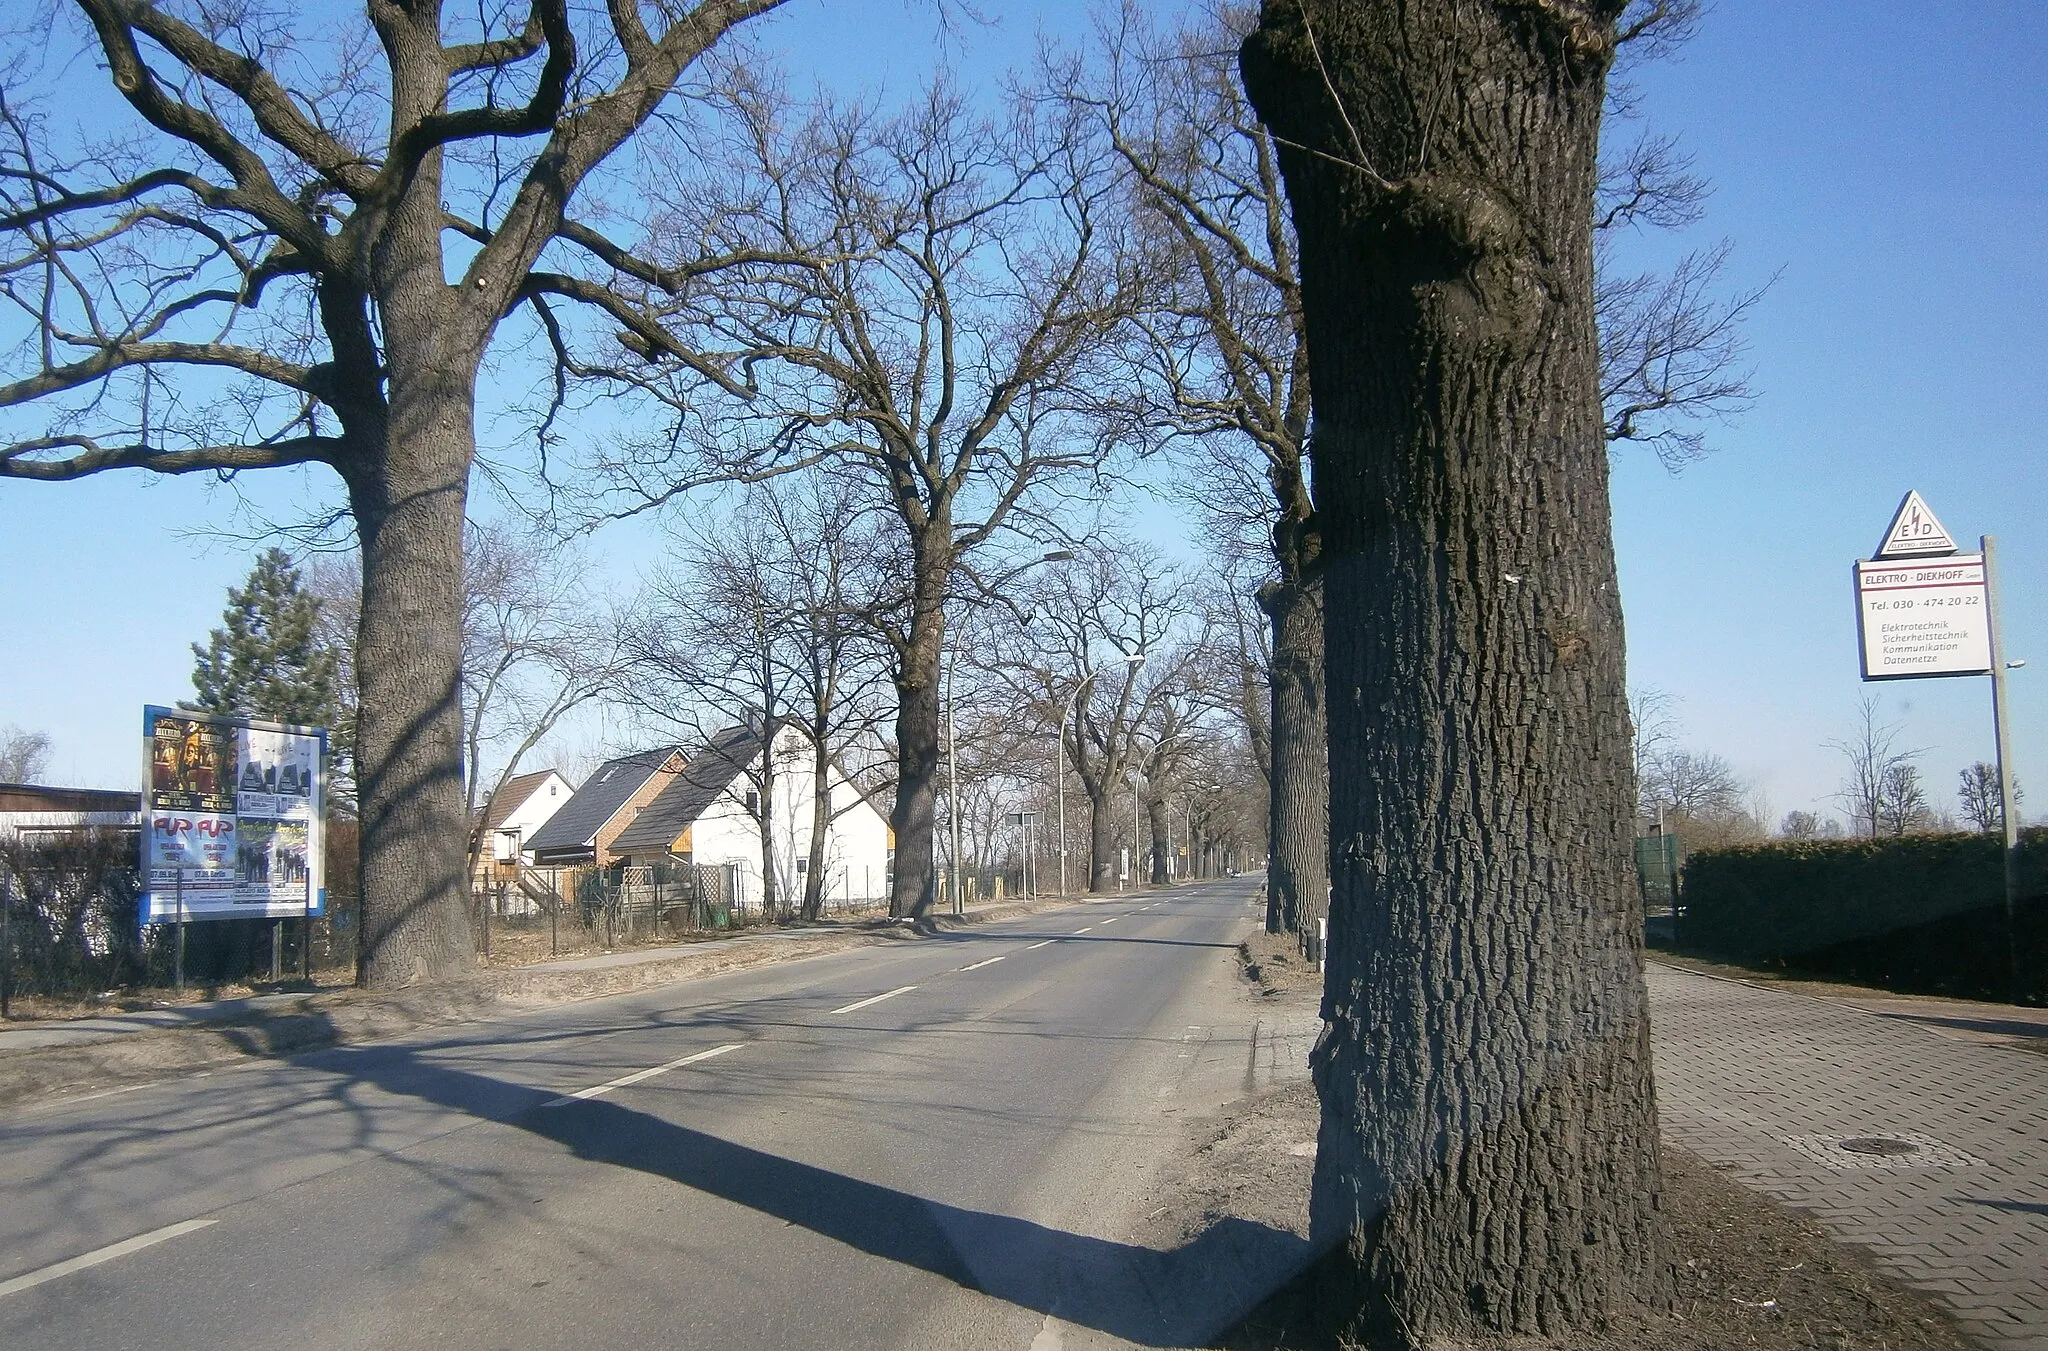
289	240
1488	1154
914	299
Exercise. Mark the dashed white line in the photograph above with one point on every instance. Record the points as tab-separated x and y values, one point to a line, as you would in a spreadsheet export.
990	962
872	999
1079	932
601	1089
1046	944
99	1255
1112	919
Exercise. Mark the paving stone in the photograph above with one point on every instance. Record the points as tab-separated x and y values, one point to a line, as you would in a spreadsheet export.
1770	1083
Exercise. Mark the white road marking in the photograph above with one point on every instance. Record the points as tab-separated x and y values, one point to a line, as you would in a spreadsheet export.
1046	944
990	962
601	1089
873	999
1079	932
1112	919
99	1255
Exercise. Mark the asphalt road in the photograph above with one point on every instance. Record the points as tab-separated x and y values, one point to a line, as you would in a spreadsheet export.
932	1143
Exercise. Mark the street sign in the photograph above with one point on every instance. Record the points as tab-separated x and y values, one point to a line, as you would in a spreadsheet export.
1915	532
1924	618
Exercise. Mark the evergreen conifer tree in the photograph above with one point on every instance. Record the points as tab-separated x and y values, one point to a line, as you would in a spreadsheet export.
268	661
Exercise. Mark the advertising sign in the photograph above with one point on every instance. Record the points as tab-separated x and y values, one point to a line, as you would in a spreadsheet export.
1927	618
231	817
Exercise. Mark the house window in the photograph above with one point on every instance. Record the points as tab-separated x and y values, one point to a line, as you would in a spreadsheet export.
753	803
803	866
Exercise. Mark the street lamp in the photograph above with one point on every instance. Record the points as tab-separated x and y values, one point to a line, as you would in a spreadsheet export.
1132	776
1131	659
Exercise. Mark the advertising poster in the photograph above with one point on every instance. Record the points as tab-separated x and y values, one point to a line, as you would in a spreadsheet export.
232	818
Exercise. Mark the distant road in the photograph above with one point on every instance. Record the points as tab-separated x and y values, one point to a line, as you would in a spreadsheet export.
931	1144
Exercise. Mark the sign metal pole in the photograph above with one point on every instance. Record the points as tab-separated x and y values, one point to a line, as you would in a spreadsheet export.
178	889
6	943
306	922
2003	744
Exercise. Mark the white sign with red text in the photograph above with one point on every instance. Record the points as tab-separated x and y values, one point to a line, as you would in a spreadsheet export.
1927	618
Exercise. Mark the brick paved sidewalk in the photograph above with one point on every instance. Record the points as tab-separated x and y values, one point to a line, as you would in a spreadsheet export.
1771	1083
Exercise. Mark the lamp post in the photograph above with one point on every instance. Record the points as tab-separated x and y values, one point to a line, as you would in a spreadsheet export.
1132	659
1133	776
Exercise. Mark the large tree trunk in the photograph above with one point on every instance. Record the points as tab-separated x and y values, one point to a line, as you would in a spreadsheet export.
1102	859
408	494
1158	825
821	823
1298	805
409	512
913	888
765	823
1487	1161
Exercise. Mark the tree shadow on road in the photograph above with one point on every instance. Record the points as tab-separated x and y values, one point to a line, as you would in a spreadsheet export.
1180	1298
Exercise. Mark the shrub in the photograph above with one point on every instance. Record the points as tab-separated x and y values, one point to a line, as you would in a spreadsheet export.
1919	912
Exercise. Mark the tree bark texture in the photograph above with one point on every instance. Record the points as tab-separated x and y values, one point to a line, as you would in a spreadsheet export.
409	512
1487	1160
913	886
765	823
408	493
1102	860
821	821
1298	805
1157	829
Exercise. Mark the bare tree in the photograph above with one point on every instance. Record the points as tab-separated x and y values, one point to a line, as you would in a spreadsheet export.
24	756
1901	807
1104	650
1874	755
1220	363
826	554
710	648
1978	797
536	646
1671	342
253	268
1804	825
920	299
1487	1163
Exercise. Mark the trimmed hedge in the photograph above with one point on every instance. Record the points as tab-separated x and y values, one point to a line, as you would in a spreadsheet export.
1922	913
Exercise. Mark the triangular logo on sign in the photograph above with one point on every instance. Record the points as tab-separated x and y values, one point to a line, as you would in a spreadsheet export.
1914	532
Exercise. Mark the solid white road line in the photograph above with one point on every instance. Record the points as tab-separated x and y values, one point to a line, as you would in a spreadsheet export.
99	1255
1046	944
872	999
990	962
601	1089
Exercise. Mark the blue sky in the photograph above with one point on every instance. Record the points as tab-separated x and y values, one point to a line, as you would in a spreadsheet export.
1887	161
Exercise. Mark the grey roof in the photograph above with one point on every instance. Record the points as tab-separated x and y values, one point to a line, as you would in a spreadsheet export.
689	793
576	825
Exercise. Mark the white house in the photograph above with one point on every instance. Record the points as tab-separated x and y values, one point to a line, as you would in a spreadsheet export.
514	815
709	816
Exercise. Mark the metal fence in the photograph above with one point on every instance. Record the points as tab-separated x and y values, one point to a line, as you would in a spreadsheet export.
69	910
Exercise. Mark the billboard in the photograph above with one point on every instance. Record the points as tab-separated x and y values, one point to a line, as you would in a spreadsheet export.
232	817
